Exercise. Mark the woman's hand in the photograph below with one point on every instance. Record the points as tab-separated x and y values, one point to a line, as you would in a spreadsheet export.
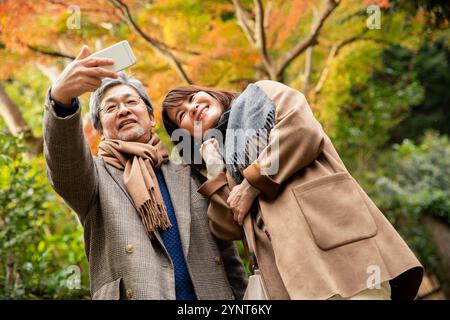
80	76
213	159
241	199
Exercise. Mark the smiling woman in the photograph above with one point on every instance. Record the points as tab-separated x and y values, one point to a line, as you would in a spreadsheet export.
293	195
192	107
200	107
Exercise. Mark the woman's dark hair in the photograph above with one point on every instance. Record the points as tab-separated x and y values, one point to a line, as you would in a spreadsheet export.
178	95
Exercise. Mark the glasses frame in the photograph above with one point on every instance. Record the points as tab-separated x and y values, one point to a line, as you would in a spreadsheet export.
102	109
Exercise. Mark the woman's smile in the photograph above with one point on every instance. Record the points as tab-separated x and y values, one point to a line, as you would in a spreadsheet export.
202	112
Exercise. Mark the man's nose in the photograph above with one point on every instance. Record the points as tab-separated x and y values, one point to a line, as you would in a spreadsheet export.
123	109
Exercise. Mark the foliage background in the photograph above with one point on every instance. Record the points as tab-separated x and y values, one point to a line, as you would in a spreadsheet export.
381	94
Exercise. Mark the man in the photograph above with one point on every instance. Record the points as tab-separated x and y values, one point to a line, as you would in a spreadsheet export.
145	227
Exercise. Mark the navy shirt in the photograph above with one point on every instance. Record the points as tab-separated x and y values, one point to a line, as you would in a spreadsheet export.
171	237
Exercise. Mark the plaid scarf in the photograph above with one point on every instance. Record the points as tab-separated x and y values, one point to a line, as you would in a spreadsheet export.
248	123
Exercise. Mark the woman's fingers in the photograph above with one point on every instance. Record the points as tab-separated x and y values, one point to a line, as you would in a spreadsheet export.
236	216
210	152
240	218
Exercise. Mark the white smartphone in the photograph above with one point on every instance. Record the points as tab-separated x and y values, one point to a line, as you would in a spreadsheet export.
121	53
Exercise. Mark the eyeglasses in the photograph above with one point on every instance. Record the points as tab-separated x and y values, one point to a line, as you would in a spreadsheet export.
114	107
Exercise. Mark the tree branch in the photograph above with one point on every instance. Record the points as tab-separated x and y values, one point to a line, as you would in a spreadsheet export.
267	11
260	34
244	22
309	56
49	52
157	45
310	40
333	53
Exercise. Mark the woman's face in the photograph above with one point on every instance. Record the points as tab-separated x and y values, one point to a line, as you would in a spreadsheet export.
201	112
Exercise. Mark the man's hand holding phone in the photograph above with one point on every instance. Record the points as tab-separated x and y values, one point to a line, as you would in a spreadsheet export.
82	75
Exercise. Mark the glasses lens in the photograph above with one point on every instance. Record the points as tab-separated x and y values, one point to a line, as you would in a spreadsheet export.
130	102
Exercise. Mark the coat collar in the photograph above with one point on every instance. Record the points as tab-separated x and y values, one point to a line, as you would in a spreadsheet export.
177	178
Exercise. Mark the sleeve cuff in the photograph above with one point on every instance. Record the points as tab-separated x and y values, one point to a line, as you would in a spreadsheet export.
62	111
211	186
261	182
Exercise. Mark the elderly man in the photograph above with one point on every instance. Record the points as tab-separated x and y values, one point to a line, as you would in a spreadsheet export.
145	227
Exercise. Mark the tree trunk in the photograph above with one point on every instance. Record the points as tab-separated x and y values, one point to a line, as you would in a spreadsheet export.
16	123
441	237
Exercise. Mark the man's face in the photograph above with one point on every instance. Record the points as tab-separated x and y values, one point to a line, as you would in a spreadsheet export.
124	115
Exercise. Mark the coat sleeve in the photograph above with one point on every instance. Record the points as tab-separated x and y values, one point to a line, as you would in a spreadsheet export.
221	222
70	166
295	141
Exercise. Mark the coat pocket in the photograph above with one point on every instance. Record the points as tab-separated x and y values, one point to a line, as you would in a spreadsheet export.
109	291
335	210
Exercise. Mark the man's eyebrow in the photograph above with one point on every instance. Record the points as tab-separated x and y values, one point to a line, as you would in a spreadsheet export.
114	98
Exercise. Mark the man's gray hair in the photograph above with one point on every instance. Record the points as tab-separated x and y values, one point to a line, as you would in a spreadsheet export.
97	96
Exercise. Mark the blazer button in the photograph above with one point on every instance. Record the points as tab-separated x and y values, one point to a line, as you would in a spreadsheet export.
129	293
217	260
130	248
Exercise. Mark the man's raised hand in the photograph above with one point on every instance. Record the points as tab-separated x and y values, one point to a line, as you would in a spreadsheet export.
80	76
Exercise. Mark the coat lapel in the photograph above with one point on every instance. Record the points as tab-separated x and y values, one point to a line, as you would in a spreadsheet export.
177	179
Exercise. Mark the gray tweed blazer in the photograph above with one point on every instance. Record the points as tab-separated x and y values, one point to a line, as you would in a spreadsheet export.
123	261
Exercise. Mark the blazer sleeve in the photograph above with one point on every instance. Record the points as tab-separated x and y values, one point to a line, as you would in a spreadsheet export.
70	166
221	222
234	267
296	140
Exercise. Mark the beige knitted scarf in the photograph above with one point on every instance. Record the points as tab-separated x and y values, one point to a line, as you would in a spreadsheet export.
139	160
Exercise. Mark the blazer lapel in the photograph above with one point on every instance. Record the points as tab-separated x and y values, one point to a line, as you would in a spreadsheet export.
117	175
177	179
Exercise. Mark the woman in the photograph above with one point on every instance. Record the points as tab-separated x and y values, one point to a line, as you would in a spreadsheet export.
317	233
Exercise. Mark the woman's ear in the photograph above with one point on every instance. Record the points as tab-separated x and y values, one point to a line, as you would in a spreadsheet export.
152	119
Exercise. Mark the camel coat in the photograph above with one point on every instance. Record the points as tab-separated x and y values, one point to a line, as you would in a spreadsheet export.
327	235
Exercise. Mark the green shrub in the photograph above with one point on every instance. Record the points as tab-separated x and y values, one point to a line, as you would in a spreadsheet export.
415	183
41	248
